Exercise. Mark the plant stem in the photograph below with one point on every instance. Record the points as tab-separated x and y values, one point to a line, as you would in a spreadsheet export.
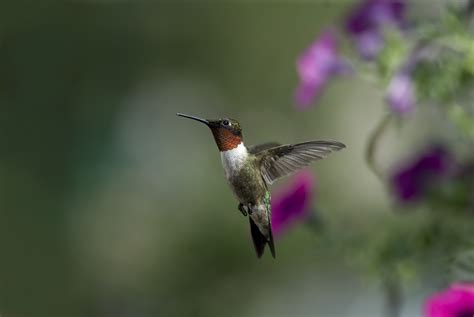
470	7
393	294
372	145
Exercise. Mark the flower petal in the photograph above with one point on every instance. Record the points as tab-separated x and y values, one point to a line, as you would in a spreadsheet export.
401	93
369	44
315	66
374	14
456	301
365	23
292	204
411	180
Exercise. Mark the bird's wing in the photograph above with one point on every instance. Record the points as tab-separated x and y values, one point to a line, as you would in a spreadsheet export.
254	149
283	160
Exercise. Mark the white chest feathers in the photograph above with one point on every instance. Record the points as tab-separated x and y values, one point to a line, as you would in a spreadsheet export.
233	160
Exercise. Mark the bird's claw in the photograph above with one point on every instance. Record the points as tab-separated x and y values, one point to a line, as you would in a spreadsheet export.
249	209
242	210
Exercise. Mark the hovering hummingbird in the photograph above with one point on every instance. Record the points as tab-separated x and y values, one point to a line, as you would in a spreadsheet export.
250	170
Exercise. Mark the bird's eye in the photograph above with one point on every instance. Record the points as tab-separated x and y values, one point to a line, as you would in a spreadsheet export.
226	122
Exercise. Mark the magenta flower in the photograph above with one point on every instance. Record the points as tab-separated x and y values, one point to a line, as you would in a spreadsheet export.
400	94
316	66
365	24
412	181
456	301
293	203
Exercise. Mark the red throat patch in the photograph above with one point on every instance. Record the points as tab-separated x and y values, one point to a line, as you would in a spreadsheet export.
225	139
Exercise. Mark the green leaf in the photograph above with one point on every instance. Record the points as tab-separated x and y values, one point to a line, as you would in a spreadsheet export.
439	80
462	120
392	55
469	60
451	22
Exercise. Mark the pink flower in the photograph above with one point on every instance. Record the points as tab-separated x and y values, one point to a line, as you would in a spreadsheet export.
456	301
292	204
316	66
401	93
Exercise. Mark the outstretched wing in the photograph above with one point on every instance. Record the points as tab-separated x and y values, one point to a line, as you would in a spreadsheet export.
254	149
283	160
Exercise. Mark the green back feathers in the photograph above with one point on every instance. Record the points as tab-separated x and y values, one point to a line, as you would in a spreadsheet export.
266	201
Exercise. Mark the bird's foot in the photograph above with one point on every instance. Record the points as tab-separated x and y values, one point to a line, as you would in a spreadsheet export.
249	208
242	210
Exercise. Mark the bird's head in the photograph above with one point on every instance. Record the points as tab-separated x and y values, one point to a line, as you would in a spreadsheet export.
227	132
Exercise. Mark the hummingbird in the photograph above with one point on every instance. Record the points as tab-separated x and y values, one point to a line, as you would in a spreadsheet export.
250	170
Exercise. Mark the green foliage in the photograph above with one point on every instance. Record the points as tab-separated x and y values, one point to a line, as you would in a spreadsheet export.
469	62
451	23
392	55
469	59
439	79
451	68
463	120
414	245
462	268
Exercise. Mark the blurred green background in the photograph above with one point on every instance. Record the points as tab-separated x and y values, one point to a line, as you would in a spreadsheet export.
110	205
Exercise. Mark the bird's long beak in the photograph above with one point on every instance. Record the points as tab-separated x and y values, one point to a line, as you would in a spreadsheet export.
206	122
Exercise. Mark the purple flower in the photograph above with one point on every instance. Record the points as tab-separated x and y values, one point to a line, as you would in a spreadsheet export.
366	21
369	43
411	181
293	203
456	301
316	66
400	94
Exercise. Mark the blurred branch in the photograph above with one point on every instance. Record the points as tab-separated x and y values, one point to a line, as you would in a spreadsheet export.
393	294
462	268
470	14
470	8
372	145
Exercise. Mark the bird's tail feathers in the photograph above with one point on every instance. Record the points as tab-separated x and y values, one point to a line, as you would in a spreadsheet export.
259	240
